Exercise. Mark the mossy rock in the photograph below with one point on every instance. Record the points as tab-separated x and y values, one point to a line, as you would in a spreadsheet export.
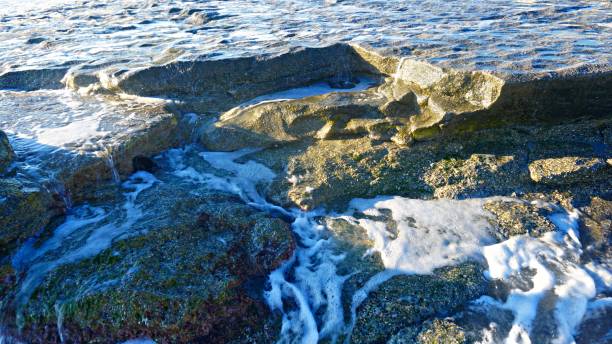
198	281
409	300
25	209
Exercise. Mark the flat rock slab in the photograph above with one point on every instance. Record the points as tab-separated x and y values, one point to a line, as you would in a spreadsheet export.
60	136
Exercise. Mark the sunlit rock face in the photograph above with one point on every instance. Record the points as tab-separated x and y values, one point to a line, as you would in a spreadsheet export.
330	171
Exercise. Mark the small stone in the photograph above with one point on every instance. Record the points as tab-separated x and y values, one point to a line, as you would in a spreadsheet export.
198	18
341	84
35	40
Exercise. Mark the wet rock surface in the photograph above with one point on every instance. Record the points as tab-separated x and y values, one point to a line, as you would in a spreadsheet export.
6	152
481	163
189	282
515	218
192	268
596	228
26	208
410	300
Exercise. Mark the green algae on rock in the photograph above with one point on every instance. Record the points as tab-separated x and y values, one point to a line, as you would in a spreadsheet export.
25	209
410	300
200	280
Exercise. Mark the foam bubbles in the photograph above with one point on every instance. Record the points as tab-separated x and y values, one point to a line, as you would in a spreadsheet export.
429	234
555	259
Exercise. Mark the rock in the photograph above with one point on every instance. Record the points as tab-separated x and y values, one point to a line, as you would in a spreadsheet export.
35	40
342	84
189	281
481	163
8	278
332	172
197	18
33	79
569	170
190	11
6	152
222	84
478	176
125	130
515	218
442	331
333	115
25	209
409	300
168	55
596	229
408	335
595	328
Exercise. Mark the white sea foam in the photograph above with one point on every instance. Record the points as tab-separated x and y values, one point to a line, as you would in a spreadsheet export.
430	234
316	284
242	180
555	259
139	341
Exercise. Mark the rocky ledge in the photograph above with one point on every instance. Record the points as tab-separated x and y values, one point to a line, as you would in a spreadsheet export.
127	237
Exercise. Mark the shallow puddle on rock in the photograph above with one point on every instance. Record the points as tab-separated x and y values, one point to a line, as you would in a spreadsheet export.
316	89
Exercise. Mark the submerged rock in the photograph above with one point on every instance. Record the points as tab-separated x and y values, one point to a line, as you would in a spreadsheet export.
33	79
6	152
25	209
